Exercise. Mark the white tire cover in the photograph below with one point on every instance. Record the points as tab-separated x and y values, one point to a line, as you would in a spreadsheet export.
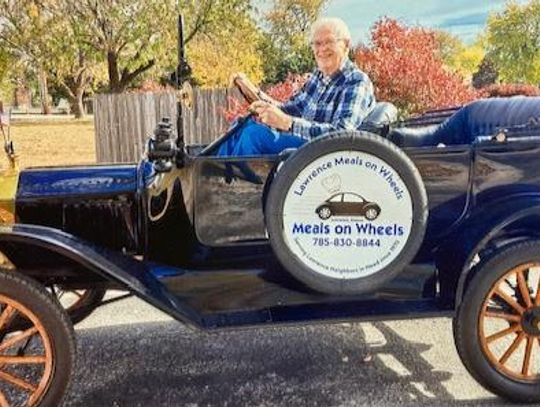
349	218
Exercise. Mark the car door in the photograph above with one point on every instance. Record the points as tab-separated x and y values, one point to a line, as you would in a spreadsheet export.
505	167
446	173
352	204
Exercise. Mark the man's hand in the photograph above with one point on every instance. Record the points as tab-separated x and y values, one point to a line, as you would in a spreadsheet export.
249	90
238	75
271	115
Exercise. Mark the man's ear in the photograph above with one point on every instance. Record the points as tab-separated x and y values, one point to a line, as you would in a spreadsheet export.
350	51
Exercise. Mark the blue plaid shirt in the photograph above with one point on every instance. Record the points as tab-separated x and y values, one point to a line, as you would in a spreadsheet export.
340	102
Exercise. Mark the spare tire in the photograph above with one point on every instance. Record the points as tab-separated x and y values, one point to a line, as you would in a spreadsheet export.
346	212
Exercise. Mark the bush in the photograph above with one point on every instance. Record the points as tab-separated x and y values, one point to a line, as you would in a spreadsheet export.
406	68
486	75
150	85
507	89
282	92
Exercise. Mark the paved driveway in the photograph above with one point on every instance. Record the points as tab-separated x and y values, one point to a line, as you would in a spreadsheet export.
133	355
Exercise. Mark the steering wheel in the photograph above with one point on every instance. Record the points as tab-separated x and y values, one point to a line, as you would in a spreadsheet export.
248	90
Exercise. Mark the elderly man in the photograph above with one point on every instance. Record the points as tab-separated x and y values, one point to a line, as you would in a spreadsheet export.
338	96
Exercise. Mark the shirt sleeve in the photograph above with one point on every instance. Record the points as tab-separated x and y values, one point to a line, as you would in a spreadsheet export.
354	104
295	105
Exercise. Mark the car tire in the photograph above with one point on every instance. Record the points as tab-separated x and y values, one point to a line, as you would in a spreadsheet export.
324	213
492	360
372	212
349	143
79	310
37	310
88	300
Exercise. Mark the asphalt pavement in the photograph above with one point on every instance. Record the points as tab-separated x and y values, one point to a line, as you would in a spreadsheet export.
130	354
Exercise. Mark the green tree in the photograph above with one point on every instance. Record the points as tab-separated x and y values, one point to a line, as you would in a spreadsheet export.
24	30
215	57
513	42
285	45
51	36
7	62
457	56
486	75
73	64
134	36
125	33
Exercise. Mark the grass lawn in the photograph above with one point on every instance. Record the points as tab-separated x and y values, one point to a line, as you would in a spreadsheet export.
53	143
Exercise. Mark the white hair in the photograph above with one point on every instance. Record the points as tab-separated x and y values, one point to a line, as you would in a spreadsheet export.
336	24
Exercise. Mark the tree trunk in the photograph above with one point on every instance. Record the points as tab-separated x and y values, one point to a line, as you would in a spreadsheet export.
44	92
114	75
77	104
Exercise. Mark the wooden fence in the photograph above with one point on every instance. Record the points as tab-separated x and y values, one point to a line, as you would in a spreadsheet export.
123	122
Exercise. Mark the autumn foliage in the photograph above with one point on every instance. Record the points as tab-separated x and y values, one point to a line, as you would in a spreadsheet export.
507	90
281	92
407	70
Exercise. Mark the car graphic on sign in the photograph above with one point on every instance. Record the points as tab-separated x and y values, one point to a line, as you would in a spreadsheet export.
348	204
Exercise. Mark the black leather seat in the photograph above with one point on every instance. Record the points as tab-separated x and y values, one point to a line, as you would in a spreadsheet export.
480	118
380	118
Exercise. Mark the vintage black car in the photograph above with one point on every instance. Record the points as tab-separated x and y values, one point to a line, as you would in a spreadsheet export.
348	204
221	242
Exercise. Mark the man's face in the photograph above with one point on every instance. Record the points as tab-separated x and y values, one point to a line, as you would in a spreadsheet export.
329	51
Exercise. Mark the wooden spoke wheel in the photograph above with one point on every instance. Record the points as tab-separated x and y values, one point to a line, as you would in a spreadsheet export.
497	326
509	326
36	344
79	304
39	362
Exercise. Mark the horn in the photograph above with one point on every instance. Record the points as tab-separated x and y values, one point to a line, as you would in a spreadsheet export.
185	95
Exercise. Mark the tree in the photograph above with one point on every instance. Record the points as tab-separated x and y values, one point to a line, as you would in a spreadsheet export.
460	58
73	64
24	29
486	75
407	70
513	42
285	46
134	36
215	57
281	61
125	33
6	61
50	35
508	90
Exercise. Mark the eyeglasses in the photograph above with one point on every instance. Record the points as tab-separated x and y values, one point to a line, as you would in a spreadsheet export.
325	43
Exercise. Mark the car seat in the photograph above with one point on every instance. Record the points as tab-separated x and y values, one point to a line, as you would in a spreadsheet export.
379	119
478	119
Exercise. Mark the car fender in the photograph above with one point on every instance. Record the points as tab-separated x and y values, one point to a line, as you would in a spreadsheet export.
129	273
457	252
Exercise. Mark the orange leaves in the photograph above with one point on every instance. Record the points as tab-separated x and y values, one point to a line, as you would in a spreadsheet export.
508	89
407	70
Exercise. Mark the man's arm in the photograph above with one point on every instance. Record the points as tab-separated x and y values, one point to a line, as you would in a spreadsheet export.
354	105
295	105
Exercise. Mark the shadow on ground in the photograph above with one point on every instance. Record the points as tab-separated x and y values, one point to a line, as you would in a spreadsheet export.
163	364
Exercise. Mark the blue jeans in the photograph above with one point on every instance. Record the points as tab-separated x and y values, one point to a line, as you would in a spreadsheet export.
257	139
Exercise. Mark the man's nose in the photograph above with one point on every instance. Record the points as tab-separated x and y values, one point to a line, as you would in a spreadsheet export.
322	53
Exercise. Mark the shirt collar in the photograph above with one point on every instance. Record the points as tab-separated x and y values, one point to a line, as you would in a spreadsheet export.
345	66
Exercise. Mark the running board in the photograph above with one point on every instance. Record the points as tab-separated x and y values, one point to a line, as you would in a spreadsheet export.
264	296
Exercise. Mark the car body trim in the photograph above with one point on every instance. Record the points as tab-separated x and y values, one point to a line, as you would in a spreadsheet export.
487	225
127	271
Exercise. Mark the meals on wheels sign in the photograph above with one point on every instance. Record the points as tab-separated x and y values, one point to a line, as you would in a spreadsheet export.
347	215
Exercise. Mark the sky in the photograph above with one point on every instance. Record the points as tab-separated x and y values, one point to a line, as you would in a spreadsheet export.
464	18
